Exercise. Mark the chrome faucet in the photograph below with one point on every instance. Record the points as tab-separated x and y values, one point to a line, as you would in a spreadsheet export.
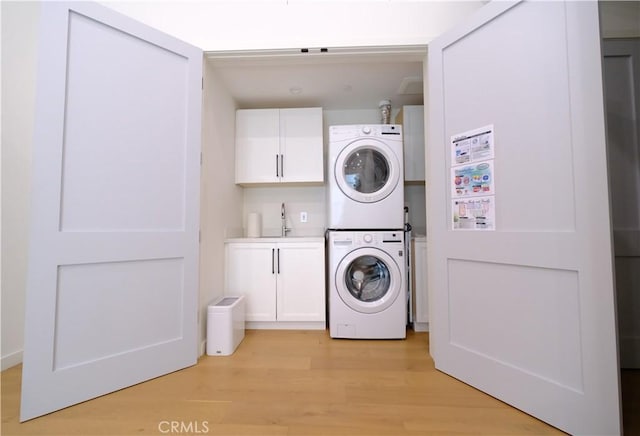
285	229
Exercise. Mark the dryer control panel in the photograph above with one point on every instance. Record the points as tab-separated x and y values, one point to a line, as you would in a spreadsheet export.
341	133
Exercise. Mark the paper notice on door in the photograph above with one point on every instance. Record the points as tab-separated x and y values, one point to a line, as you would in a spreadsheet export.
472	146
476	213
472	180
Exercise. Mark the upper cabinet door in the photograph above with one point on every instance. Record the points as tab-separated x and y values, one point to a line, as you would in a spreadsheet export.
257	146
301	145
526	312
113	262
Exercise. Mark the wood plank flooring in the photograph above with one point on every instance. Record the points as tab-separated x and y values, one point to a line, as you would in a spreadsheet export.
290	383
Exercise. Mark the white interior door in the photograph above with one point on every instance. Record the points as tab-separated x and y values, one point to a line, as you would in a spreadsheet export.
526	312
622	91
112	285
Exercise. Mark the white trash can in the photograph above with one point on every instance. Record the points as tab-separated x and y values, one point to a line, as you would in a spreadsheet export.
225	325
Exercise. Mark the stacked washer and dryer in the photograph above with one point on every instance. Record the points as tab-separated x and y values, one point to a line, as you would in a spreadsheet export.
366	251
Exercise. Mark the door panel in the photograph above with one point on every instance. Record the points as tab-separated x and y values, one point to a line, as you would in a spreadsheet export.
112	286
526	312
622	91
105	149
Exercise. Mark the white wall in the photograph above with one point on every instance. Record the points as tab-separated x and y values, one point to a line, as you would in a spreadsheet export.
241	25
268	200
19	21
221	199
219	25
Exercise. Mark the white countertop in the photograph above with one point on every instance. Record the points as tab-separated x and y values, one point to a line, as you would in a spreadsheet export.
272	239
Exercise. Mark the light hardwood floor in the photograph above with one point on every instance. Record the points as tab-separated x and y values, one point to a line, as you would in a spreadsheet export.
289	383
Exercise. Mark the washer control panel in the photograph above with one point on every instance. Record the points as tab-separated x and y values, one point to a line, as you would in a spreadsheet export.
378	237
366	238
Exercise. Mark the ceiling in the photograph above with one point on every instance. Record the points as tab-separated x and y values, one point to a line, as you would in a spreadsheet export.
335	79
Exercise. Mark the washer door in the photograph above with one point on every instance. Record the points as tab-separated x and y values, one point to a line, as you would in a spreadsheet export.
368	280
367	170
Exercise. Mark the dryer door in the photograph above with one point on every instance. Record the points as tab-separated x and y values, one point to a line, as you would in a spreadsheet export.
368	280
367	170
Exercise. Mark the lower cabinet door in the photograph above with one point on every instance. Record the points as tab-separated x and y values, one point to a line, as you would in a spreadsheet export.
300	282
251	270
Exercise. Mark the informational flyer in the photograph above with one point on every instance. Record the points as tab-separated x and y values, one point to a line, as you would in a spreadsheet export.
472	180
472	146
477	213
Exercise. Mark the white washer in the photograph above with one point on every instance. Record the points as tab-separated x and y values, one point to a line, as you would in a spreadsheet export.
367	286
366	177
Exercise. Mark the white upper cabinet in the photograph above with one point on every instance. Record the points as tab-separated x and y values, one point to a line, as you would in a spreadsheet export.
279	146
412	120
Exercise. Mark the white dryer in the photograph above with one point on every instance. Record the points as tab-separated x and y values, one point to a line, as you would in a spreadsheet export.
366	177
367	285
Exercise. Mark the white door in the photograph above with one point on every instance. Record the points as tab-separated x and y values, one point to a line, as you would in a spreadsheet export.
526	312
622	91
112	288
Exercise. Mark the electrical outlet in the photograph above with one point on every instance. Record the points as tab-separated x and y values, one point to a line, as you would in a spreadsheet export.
303	217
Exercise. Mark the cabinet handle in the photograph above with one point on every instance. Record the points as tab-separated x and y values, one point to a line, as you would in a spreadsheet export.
277	168
278	261
273	268
282	165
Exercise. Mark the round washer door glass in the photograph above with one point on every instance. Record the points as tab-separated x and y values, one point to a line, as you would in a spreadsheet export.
367	171
368	278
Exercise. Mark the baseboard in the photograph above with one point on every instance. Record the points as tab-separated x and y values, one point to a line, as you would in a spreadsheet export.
420	326
285	325
10	360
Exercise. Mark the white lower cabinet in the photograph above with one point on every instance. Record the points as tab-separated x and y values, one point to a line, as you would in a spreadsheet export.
283	282
421	304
